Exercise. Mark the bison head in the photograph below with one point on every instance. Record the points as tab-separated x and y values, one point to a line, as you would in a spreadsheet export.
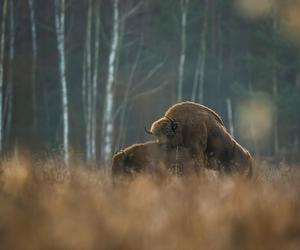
135	158
125	163
167	131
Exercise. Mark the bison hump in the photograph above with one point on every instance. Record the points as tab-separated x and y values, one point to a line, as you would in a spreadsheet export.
192	107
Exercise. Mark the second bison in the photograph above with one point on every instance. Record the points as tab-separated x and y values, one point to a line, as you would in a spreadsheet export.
151	157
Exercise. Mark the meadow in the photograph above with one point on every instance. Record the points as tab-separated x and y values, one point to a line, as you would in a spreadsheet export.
44	205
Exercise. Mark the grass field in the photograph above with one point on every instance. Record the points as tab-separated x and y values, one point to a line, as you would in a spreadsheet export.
45	206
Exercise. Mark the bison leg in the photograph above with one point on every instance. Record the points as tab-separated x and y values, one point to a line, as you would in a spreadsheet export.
196	140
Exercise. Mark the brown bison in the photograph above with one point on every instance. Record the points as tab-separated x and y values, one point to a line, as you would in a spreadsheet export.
228	157
202	131
151	157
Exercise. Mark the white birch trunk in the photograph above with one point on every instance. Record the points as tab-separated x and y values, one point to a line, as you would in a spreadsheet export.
220	55
34	60
83	88
46	107
275	83
2	44
200	66
60	34
230	118
184	10
88	82
9	92
203	54
275	129
196	79
250	88
296	141
95	82
108	128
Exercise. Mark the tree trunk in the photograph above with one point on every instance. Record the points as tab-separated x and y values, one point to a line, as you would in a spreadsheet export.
2	45
220	59
203	54
95	82
87	83
230	118
250	88
296	141
184	10
198	83
46	107
9	92
274	88
60	35
108	127
34	61
196	79
275	129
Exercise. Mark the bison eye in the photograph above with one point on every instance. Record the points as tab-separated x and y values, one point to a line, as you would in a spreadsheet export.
128	158
174	127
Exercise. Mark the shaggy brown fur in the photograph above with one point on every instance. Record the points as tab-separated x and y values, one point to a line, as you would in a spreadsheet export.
190	119
151	157
189	127
200	129
226	155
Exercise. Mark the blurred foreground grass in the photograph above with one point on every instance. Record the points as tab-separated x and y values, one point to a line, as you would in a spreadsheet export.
44	206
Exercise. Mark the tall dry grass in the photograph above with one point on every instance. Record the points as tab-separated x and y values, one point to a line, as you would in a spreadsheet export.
44	206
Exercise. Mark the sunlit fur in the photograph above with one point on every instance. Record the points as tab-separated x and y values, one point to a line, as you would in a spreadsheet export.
202	131
164	133
151	157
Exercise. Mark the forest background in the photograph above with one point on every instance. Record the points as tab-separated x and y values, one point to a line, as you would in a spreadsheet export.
87	76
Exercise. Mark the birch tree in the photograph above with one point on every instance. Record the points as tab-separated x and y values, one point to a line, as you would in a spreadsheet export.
87	82
275	95
184	11
60	35
34	60
199	77
229	114
108	127
250	89
275	122
90	77
220	53
95	81
2	45
8	102
296	131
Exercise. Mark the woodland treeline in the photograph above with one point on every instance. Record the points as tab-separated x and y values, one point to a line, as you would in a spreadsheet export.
87	76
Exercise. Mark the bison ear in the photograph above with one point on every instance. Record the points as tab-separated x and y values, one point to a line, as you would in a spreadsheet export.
174	126
128	157
131	156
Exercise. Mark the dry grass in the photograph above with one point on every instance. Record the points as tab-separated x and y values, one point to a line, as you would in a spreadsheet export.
43	206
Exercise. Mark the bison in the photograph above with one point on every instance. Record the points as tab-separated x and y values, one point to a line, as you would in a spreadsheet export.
151	157
202	131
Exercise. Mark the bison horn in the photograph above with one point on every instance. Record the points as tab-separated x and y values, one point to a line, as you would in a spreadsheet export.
148	131
125	155
120	151
173	123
